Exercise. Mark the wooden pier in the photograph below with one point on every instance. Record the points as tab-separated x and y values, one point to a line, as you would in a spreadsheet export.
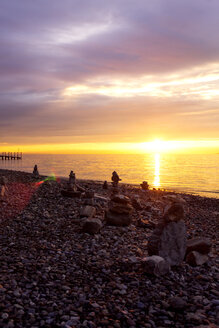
11	155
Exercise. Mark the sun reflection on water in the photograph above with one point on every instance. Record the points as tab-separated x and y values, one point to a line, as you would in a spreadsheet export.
156	181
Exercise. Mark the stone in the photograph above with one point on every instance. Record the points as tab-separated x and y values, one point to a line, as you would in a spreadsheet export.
155	265
117	219
144	185
122	199
169	241
120	208
201	245
87	211
173	213
195	258
35	172
174	199
115	179
92	226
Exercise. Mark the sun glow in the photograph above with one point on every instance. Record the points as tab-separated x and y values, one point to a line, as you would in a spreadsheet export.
160	146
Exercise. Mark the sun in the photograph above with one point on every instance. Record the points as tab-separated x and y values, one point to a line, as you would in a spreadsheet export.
158	146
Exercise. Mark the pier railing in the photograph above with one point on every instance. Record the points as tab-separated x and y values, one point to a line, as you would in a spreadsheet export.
10	155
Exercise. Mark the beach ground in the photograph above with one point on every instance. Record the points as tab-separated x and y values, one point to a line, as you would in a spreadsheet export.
54	275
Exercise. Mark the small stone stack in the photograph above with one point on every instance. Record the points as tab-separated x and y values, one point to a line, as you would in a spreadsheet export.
35	173
71	190
144	185
169	238
119	212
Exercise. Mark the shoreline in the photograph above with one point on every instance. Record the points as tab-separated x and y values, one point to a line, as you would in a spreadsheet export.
126	184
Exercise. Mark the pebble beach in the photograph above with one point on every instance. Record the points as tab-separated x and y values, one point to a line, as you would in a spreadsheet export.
53	274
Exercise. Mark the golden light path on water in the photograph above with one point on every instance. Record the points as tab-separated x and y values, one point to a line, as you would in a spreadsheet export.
156	181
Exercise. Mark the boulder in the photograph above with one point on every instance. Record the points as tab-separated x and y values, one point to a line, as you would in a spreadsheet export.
169	242
195	258
155	265
178	303
92	226
87	211
201	245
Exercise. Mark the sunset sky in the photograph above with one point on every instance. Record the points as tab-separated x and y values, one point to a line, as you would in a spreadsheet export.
109	76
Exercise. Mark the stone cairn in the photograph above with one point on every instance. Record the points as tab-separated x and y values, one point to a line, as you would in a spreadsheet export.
169	237
144	185
35	173
3	187
119	211
71	189
115	179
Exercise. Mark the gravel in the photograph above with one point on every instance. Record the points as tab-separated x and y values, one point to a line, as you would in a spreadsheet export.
54	275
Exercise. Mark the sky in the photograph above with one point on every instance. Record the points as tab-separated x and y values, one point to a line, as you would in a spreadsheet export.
109	76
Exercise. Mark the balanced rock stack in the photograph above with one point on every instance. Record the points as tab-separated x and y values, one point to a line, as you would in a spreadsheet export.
169	237
197	251
71	190
119	212
35	173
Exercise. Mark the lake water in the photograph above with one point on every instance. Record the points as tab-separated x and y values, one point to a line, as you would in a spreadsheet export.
197	174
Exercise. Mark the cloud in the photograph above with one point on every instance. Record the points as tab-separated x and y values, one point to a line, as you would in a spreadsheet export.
122	70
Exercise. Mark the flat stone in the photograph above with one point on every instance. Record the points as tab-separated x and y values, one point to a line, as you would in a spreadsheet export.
122	199
120	208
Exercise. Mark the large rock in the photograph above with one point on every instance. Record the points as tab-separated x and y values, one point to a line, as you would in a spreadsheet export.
195	258
169	238
87	211
92	226
155	265
201	245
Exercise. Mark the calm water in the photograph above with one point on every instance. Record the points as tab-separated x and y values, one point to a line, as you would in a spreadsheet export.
189	173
